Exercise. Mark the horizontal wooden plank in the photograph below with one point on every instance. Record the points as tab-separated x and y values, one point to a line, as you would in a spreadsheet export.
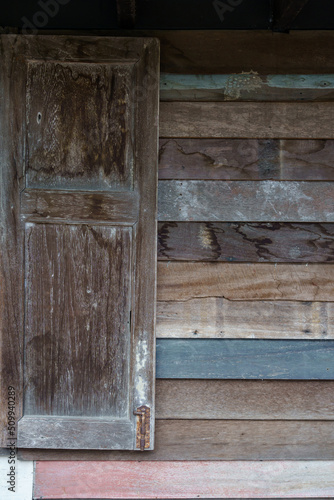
246	86
82	432
246	242
215	317
252	120
237	201
245	359
222	440
246	159
54	480
68	206
241	281
245	399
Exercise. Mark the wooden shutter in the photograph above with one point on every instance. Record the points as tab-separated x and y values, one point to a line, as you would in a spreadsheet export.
78	228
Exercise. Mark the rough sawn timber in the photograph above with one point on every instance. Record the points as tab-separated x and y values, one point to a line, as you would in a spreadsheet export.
251	120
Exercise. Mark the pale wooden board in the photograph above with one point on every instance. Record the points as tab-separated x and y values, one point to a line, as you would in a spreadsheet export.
181	480
246	241
245	359
246	86
246	159
251	120
236	201
214	317
241	281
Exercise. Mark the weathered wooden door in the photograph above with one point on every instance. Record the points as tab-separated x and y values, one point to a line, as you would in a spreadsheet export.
78	225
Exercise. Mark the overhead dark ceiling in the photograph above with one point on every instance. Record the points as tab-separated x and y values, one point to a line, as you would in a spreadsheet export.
277	15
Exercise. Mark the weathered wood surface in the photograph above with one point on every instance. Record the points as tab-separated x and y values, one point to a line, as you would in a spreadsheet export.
84	433
245	359
241	281
246	242
202	479
236	201
245	399
246	86
86	325
214	317
70	207
11	259
114	82
246	159
254	120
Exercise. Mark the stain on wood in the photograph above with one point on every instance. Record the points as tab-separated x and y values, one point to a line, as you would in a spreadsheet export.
225	159
77	342
237	201
214	317
240	281
246	242
80	129
54	206
190	479
245	359
246	159
251	120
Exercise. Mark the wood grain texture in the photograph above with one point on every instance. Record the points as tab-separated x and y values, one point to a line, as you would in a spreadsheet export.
240	281
77	342
80	133
245	399
236	201
213	317
190	480
245	359
246	242
246	159
39	205
11	257
246	86
251	120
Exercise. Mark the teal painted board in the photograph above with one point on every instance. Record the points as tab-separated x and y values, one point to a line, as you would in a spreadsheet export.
245	359
246	86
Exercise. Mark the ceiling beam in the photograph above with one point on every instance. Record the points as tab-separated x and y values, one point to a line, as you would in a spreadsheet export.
126	13
285	12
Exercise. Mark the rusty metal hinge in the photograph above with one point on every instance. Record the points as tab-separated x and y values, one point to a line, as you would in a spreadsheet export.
143	427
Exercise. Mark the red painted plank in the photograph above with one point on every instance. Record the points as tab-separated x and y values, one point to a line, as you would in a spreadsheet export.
166	480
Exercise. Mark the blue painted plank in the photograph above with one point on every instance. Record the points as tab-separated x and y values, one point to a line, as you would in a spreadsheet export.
245	359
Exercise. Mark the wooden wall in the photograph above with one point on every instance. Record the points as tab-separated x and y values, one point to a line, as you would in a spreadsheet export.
245	282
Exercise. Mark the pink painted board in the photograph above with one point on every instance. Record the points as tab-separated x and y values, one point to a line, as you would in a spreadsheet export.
176	480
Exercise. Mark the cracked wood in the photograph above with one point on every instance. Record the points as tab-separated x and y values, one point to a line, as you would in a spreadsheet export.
241	281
